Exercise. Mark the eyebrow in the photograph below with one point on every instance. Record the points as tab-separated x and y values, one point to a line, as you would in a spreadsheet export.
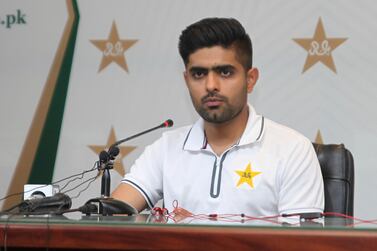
216	68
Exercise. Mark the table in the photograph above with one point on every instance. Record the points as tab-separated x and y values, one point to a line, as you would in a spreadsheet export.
141	233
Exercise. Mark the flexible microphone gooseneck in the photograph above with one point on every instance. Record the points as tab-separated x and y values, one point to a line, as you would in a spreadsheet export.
113	151
165	124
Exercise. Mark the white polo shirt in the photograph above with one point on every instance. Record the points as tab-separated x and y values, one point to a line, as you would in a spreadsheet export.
271	170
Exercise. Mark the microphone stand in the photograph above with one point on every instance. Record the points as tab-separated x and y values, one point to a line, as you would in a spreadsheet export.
106	179
107	205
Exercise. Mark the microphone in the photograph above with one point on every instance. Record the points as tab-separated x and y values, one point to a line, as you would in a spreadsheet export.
49	204
114	150
109	206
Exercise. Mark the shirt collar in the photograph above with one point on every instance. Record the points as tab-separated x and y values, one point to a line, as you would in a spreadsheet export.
196	139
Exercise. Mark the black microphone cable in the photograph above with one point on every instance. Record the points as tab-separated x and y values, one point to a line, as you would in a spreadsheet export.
83	190
94	168
112	152
43	207
90	180
85	209
78	178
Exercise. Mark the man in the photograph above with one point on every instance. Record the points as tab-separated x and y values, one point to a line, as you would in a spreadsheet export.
232	160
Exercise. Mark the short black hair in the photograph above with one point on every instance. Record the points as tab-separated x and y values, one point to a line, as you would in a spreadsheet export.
225	32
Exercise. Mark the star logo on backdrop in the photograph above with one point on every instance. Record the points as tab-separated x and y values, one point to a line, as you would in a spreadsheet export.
113	49
246	176
318	138
319	48
123	152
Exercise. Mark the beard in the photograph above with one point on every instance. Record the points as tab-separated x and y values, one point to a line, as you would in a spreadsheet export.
217	114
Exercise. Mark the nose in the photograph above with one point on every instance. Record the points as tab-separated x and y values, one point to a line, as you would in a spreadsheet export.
212	82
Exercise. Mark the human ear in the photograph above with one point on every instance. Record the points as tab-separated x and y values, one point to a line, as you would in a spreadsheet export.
252	76
185	77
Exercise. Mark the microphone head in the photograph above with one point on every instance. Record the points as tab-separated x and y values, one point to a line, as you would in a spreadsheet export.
113	151
104	157
168	123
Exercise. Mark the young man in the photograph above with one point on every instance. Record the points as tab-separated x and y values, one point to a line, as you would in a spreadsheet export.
232	160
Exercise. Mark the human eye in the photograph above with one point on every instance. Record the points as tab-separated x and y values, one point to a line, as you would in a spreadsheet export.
225	71
198	73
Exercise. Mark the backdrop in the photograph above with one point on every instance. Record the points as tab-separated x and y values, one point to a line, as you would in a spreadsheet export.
78	75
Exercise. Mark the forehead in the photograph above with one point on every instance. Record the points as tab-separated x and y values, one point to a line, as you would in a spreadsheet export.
213	56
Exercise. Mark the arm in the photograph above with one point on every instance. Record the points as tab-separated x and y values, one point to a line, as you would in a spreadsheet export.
142	186
301	189
129	194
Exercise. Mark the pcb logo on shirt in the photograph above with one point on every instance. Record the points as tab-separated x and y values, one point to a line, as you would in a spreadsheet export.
246	176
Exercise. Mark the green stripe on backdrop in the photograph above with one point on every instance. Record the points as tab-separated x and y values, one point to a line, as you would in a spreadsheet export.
44	161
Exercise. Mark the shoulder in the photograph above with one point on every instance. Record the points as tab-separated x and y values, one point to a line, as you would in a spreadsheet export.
283	136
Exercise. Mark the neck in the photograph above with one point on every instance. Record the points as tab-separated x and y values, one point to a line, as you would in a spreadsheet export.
224	135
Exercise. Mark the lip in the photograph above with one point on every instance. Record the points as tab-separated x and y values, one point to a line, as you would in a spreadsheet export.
213	102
